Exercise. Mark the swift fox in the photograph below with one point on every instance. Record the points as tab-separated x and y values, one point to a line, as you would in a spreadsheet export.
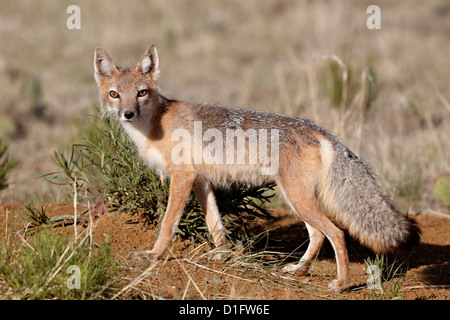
199	145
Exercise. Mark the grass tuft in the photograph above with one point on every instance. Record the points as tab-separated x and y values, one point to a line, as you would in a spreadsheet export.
42	267
385	279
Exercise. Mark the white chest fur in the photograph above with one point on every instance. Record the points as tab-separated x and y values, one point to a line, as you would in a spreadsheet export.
151	156
155	159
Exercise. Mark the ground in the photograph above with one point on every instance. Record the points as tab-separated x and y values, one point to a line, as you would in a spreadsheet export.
254	272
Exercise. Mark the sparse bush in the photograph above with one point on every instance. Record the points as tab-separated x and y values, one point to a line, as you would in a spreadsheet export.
343	86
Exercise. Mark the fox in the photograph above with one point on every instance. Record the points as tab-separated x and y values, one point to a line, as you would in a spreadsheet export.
329	187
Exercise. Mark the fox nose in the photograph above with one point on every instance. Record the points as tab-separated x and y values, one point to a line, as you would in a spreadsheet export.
128	114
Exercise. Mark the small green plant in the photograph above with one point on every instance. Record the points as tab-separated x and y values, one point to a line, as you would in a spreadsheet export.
52	266
6	164
35	215
106	166
441	190
384	278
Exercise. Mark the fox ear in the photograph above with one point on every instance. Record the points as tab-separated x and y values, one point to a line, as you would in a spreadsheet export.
104	67
149	63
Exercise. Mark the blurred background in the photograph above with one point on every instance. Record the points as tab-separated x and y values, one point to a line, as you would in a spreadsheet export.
385	93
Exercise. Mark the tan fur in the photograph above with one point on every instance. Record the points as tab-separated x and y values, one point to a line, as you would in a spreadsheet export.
303	158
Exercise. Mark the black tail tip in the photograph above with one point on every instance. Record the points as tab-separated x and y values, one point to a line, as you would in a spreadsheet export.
413	235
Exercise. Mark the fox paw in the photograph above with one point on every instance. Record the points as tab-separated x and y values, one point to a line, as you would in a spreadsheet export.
298	269
146	256
338	286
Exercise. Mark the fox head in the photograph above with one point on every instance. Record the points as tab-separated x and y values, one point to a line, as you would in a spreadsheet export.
127	91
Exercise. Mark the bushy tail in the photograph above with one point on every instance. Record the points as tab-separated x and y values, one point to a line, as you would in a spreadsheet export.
352	198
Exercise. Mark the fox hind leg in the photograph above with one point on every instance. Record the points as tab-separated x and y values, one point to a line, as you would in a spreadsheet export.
315	243
307	206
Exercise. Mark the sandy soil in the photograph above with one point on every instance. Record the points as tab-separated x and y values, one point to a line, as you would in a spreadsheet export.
254	272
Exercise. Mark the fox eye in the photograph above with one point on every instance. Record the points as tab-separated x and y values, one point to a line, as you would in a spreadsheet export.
113	94
142	93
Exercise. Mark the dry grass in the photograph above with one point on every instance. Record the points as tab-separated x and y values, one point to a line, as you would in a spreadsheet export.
259	54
